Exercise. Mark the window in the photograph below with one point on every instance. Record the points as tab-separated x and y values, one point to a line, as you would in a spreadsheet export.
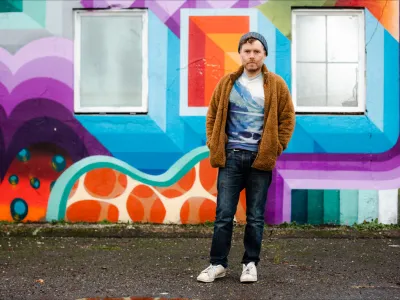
111	61
328	60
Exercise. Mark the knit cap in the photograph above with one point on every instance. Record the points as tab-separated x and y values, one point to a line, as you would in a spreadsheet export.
257	36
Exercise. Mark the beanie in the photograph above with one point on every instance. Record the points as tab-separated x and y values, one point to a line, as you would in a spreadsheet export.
257	36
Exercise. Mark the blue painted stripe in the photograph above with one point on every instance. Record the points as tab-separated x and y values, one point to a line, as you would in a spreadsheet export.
374	33
158	42
391	88
283	58
268	30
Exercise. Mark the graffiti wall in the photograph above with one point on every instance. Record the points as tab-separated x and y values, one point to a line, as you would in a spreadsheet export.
56	164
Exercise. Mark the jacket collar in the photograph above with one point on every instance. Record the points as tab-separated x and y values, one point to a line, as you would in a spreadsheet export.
235	75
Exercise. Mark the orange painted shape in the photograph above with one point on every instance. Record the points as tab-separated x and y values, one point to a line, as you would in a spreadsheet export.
241	208
100	182
207	211
228	42
215	64
123	180
135	208
187	181
84	211
185	212
158	212
113	213
208	176
232	63
142	191
73	190
171	192
222	24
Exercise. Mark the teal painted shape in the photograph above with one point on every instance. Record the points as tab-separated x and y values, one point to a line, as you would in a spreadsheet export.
283	58
299	206
374	36
391	89
368	205
7	6
56	207
332	207
348	207
315	207
36	10
268	30
158	41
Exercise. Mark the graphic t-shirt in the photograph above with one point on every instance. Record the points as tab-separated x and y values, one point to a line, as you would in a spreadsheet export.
246	113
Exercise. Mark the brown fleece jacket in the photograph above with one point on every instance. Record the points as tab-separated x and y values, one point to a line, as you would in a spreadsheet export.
279	120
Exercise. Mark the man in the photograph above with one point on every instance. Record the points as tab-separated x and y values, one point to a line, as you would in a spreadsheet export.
250	121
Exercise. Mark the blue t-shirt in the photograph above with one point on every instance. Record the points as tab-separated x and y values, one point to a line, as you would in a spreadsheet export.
246	113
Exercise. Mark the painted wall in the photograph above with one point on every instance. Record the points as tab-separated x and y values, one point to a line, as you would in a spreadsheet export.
57	165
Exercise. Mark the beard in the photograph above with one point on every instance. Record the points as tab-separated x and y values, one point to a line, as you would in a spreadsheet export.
252	67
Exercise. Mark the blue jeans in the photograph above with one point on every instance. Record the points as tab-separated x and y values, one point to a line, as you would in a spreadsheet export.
232	179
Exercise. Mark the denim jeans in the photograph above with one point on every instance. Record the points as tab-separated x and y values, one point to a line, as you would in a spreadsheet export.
232	179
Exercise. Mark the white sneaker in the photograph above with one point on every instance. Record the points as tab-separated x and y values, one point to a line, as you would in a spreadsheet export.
211	273
249	273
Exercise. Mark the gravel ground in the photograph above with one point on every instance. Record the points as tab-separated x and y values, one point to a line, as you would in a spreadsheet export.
300	268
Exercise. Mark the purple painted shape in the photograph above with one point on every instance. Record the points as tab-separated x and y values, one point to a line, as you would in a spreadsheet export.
158	11
270	213
173	26
39	88
205	4
3	117
100	4
241	4
87	3
47	67
139	4
46	47
43	120
174	20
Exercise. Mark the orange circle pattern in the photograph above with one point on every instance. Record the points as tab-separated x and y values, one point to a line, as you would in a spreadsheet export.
105	183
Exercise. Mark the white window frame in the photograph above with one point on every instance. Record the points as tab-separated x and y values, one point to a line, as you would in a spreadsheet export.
361	61
77	60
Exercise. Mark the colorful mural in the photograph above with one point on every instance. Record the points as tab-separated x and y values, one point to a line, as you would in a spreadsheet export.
337	169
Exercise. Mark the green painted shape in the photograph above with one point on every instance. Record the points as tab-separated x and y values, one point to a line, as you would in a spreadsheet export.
279	12
330	3
348	207
36	10
299	206
368	205
7	6
332	207
58	198
315	207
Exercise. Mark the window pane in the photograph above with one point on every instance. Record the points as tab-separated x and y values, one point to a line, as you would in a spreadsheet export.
310	38
111	61
342	85
311	84
343	38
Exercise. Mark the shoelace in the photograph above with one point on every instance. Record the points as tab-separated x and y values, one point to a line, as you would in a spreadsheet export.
247	269
210	270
